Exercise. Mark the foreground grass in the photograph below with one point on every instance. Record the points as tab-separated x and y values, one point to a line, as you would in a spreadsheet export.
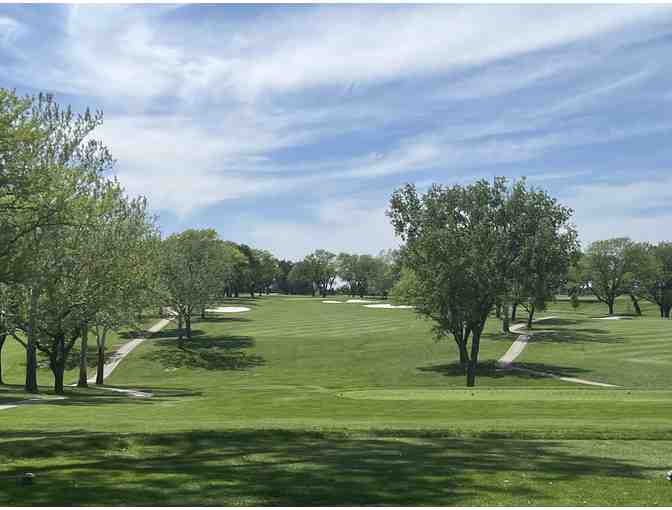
299	402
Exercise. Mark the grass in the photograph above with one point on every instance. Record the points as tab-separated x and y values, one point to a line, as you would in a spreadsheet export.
298	402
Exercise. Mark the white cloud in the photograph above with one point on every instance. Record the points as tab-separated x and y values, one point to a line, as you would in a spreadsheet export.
182	166
639	210
340	225
10	29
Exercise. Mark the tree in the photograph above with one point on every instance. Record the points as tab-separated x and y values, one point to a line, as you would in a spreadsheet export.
345	269
321	268
299	279
267	270
127	241
189	269
407	289
52	176
284	268
235	268
653	275
460	243
607	269
387	273
546	245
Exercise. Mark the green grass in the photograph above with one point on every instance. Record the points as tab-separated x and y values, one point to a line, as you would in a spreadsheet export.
298	402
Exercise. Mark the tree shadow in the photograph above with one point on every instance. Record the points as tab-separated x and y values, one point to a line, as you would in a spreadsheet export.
208	353
95	395
489	369
289	468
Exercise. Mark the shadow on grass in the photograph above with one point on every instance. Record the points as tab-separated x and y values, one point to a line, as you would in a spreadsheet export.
208	353
489	370
286	468
96	395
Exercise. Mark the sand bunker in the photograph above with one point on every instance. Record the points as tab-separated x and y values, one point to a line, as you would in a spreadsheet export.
332	302
613	318
359	301
228	309
388	305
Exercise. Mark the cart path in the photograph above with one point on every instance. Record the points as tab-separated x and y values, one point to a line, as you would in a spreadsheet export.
123	351
109	367
518	346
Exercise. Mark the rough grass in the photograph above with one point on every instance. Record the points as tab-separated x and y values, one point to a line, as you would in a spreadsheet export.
298	402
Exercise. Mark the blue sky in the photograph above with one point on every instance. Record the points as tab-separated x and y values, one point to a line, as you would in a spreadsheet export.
288	127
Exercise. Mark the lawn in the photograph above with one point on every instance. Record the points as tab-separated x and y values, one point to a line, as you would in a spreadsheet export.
299	402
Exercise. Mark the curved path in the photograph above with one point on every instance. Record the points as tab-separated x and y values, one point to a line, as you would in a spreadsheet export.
109	367
518	346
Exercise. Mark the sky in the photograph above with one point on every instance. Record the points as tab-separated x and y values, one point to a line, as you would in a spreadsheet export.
289	127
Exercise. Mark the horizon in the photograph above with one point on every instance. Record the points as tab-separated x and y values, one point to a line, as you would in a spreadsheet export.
270	123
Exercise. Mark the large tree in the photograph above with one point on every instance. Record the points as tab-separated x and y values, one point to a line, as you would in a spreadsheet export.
190	269
608	269
460	242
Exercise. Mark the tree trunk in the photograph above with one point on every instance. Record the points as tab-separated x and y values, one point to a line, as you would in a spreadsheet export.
2	344
100	370
236	293
58	371
530	316
31	368
514	308
610	304
57	364
31	350
203	313
179	326
473	362
187	323
505	319
635	304
464	355
498	311
83	360
666	312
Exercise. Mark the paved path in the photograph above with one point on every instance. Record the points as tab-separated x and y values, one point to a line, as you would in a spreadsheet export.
518	346
109	367
126	349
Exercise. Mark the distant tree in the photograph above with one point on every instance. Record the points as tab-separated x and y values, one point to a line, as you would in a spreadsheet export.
388	272
284	268
267	270
407	289
236	270
608	269
321	268
300	280
345	269
190	267
653	275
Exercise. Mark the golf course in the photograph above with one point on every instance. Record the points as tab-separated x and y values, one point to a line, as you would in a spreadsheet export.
303	402
321	255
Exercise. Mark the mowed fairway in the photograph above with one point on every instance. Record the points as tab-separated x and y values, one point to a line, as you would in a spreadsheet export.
299	402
